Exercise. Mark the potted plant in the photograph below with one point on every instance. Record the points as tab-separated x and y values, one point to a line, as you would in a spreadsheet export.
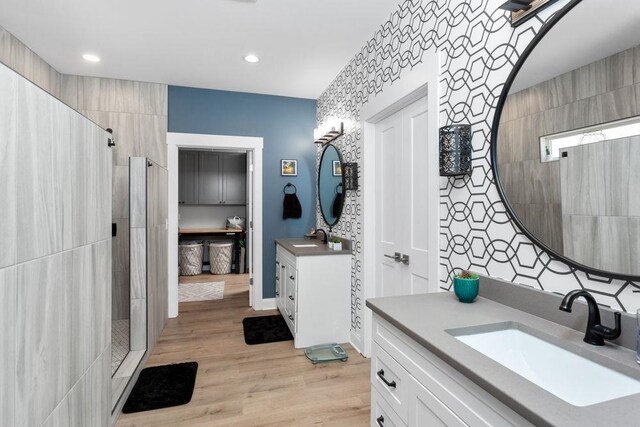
465	286
335	243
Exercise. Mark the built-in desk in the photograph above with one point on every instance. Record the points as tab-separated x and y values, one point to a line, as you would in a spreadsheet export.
234	233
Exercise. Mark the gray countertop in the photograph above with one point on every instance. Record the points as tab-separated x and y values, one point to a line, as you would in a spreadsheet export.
320	249
426	318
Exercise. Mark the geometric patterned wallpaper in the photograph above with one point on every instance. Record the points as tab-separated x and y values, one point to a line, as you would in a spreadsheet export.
478	49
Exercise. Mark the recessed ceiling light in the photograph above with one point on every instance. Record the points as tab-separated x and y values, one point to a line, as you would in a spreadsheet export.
252	59
91	58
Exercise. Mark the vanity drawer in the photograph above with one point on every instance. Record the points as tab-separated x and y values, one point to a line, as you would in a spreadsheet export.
391	380
470	403
381	413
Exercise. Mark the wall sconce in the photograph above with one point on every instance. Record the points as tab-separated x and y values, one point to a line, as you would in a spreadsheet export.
350	176
329	131
455	150
522	10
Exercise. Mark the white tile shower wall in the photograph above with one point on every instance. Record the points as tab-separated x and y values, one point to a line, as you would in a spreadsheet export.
478	50
8	125
137	113
57	286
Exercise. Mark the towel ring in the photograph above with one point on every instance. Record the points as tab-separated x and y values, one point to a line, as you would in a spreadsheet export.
284	190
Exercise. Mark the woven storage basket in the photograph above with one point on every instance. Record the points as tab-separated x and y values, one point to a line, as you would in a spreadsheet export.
220	257
191	258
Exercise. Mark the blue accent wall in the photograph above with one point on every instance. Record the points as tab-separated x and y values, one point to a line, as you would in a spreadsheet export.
286	124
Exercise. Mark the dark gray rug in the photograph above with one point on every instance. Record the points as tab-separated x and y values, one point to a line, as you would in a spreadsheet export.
265	329
162	387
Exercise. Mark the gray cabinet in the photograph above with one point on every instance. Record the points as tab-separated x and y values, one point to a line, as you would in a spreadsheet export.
210	178
234	178
209	182
188	177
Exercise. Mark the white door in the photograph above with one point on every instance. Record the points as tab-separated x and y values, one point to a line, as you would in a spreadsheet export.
249	223
402	203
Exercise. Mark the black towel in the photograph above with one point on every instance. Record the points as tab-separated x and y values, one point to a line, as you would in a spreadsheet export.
291	207
336	207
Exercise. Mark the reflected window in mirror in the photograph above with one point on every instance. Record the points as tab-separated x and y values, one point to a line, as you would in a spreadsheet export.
330	187
551	146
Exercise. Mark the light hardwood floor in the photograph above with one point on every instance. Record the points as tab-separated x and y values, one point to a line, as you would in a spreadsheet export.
259	385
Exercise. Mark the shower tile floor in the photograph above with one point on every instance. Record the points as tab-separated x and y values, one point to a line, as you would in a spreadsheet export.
119	342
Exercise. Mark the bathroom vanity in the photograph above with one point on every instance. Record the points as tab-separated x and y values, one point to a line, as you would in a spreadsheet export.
436	361
313	288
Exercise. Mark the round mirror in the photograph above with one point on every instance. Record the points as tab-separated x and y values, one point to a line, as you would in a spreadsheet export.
330	185
566	137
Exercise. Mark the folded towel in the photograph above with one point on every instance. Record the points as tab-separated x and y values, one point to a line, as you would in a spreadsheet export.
336	207
291	207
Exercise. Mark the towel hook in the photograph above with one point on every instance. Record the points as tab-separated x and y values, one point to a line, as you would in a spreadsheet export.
339	189
284	190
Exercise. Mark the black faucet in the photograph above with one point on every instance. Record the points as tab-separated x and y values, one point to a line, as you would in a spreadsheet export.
596	332
324	239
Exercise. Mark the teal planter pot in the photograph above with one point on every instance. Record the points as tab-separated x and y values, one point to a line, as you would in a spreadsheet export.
466	289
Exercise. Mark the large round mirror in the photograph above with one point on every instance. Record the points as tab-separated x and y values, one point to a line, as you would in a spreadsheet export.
330	185
566	138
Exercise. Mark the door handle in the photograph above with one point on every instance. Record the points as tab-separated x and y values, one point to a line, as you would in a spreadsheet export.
396	256
405	259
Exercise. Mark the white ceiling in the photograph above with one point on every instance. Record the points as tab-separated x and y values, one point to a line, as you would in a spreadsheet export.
593	30
303	44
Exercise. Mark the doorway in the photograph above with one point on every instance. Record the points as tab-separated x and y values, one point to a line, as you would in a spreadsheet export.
229	182
401	191
402	210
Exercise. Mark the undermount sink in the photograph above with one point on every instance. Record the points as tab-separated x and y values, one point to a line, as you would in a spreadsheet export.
304	245
569	376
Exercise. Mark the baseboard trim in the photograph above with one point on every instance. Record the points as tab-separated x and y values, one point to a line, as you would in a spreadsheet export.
267	304
357	344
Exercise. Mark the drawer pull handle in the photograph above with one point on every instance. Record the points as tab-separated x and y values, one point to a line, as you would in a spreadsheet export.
292	278
277	293
277	278
380	421
277	262
282	266
290	317
291	298
391	384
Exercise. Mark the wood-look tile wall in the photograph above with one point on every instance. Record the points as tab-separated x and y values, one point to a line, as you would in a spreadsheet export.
599	218
157	241
56	272
137	112
600	92
139	264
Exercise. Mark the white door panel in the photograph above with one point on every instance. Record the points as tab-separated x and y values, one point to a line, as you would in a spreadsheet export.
402	202
389	194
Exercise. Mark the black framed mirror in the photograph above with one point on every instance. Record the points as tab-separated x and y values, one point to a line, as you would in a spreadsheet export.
330	191
566	138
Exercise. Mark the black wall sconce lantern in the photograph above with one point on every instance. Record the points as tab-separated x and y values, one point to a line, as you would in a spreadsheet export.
455	150
350	176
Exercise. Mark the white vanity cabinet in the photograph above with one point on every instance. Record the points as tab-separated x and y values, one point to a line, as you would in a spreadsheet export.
410	386
313	294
